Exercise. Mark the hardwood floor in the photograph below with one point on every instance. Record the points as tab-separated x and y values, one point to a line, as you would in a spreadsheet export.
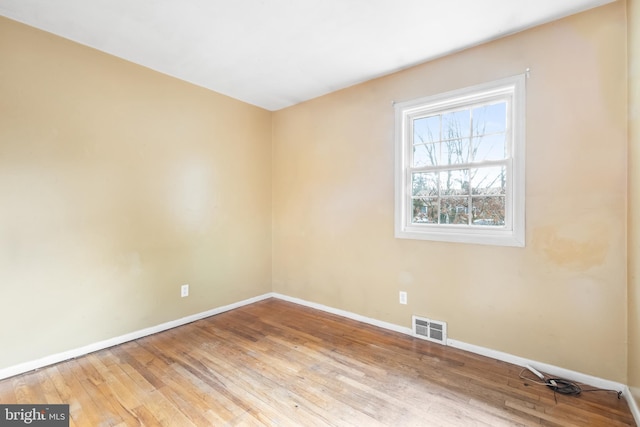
277	363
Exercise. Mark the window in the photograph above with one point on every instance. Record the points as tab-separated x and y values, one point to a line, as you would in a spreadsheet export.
460	165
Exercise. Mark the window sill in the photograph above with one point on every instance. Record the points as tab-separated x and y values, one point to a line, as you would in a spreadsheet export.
480	236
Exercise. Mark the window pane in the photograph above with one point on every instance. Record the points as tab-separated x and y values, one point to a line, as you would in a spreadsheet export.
425	210
489	147
489	181
456	124
426	129
425	155
490	119
454	182
455	152
425	184
459	176
454	210
488	211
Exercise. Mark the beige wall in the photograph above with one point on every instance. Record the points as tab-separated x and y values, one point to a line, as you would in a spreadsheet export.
117	185
559	300
633	19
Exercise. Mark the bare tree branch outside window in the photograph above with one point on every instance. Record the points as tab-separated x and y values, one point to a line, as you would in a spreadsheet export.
464	181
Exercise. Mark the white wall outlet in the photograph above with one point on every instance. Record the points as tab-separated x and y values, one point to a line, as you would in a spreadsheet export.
403	297
184	291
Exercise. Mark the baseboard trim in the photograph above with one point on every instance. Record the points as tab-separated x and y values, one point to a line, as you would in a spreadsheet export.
81	351
494	354
344	313
553	370
633	405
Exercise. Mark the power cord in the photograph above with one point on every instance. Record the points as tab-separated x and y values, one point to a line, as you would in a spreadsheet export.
561	385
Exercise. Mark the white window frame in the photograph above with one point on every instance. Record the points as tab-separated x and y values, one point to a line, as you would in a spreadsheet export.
511	89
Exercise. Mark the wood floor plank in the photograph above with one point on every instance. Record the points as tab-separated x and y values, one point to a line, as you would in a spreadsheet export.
83	410
277	363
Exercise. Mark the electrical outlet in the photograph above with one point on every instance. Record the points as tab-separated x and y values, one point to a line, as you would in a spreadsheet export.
184	291
403	297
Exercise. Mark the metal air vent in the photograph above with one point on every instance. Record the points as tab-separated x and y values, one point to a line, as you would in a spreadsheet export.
431	330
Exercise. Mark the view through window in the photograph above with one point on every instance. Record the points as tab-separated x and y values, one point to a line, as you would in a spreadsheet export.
460	170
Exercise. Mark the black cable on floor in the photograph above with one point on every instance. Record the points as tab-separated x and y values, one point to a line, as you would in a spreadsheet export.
566	387
562	386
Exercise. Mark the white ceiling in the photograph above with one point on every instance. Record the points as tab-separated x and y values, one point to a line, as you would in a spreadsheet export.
276	53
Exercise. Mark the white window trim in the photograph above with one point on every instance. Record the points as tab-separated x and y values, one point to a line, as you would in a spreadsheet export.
513	234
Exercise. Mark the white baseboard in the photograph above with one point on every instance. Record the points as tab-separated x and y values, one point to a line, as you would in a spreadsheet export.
633	405
77	352
494	354
540	366
347	314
